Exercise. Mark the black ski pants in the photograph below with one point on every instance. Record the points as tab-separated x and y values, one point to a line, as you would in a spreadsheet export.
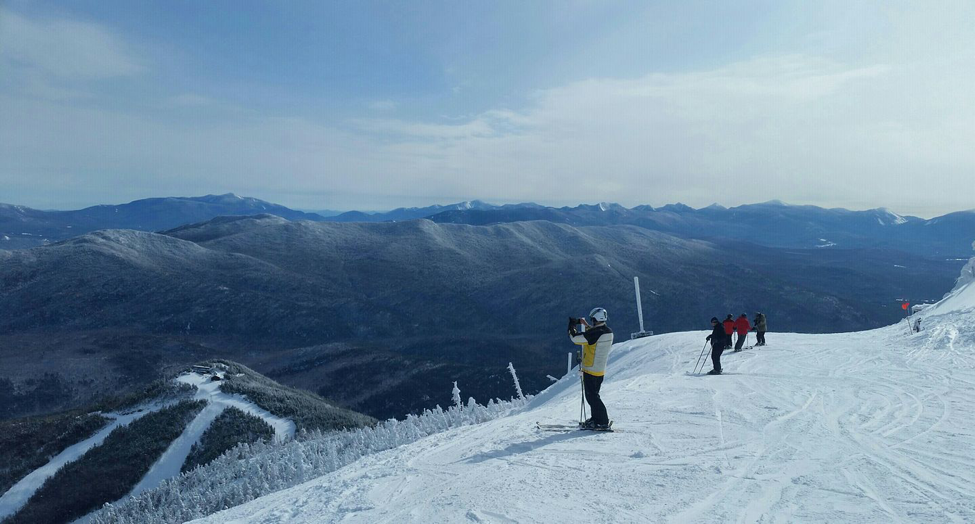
592	384
716	351
740	342
760	335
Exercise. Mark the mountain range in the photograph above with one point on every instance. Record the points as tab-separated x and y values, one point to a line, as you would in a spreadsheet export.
411	213
23	227
772	223
379	316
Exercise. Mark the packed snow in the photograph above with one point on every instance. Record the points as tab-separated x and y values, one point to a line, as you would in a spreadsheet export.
872	426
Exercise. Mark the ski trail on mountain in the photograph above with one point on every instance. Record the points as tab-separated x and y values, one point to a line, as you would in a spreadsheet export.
171	462
18	495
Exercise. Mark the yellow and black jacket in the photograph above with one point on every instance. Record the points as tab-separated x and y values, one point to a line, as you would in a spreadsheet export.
596	343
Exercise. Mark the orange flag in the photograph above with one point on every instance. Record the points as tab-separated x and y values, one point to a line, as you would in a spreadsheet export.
904	306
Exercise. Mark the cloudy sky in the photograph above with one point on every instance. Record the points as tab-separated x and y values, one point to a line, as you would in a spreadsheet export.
361	105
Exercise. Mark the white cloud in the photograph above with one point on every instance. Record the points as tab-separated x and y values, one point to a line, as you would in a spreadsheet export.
66	49
404	129
803	129
799	128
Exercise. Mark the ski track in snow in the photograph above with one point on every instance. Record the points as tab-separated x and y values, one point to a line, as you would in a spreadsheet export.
171	461
855	427
169	464
22	491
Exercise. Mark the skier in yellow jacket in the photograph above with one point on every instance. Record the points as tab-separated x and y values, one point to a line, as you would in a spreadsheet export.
596	342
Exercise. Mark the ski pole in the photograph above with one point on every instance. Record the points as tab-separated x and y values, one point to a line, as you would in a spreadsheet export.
582	401
703	350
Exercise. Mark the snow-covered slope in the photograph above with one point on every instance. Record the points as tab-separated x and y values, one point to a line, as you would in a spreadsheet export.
169	464
872	426
961	299
950	323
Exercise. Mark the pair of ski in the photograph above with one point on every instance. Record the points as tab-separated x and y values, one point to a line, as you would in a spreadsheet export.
574	427
689	374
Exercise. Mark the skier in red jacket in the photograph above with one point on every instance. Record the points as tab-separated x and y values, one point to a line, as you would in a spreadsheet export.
729	328
742	326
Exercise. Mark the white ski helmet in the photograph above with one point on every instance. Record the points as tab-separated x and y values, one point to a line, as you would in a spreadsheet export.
598	314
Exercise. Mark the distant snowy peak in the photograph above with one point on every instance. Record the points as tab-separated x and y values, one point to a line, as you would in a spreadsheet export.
886	217
898	219
471	204
226	198
13	208
677	208
610	206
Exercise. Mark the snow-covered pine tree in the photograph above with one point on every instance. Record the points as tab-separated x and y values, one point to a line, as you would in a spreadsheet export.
514	376
456	392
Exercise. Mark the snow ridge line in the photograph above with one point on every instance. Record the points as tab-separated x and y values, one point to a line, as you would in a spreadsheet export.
250	471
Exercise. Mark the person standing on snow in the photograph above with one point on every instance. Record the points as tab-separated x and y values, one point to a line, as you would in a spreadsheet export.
742	327
717	338
729	329
596	342
761	326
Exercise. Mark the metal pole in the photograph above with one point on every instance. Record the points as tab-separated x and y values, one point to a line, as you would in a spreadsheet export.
639	306
582	401
703	350
568	364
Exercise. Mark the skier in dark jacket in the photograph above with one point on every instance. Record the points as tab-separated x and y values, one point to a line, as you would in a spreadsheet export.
742	327
729	329
761	326
717	338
